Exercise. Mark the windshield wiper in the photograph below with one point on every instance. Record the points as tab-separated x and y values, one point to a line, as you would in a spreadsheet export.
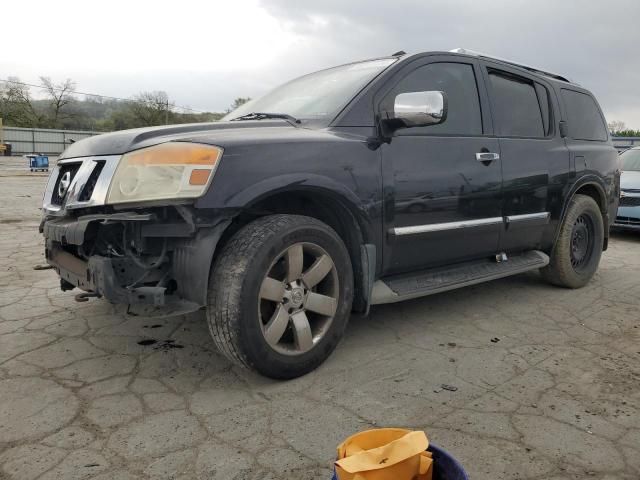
262	115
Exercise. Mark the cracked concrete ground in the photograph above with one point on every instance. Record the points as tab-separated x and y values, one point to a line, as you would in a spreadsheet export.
554	396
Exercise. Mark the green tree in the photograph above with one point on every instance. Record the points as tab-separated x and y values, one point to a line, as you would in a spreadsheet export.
151	108
627	133
61	109
619	129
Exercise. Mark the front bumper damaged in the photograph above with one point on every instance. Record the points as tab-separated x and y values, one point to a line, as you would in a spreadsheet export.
97	275
176	284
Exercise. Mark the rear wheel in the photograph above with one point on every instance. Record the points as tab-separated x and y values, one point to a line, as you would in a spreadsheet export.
280	295
576	254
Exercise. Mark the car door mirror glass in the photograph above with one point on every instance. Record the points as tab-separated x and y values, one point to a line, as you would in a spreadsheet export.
420	109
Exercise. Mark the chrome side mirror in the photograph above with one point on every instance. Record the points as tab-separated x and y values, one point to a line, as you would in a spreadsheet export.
419	109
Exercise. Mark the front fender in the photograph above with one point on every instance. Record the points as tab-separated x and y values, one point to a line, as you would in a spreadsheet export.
291	182
192	263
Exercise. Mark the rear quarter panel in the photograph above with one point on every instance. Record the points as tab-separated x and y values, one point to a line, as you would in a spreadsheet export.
592	163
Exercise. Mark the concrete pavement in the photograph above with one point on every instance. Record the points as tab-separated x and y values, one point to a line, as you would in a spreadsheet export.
544	381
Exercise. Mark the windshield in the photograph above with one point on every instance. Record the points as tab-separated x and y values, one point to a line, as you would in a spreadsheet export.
631	160
317	96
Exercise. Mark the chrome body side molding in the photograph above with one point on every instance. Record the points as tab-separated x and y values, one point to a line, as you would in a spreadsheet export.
439	227
528	216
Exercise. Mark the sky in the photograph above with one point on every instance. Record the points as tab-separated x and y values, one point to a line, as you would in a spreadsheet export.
206	53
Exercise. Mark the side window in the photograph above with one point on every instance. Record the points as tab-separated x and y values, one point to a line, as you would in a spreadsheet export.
458	82
516	110
546	108
583	116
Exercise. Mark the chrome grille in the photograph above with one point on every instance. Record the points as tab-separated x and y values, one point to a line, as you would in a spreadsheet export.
89	183
634	222
87	191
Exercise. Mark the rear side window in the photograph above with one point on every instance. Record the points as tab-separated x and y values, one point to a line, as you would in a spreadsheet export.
545	107
583	116
458	81
516	109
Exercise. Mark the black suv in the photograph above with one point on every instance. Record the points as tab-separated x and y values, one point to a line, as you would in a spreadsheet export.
368	183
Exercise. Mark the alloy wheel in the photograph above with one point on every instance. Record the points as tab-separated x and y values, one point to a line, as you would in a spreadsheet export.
298	298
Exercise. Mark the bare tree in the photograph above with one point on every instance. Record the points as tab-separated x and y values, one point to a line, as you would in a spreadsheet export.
151	108
237	103
59	95
16	105
616	126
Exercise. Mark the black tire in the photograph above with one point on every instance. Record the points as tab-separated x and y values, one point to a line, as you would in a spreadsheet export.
575	259
234	305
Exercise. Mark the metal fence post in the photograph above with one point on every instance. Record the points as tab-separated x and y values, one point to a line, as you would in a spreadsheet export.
33	140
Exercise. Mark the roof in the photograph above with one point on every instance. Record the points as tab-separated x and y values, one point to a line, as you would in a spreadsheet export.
473	53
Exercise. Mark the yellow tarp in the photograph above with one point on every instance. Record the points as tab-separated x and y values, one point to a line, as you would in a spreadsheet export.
385	454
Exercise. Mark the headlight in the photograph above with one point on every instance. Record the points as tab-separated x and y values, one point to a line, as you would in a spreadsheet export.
165	171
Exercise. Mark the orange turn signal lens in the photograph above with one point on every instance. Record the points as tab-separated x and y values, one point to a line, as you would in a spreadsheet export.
176	153
199	176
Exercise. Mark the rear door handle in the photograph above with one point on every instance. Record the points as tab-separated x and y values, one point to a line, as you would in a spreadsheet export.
487	157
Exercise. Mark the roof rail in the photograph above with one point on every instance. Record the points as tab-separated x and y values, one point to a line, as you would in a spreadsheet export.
526	67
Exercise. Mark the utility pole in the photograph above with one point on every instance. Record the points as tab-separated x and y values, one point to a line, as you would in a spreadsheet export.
2	145
166	113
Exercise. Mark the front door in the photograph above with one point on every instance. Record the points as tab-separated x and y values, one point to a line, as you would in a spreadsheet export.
442	199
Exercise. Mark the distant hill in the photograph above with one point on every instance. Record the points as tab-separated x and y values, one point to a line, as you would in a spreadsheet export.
65	109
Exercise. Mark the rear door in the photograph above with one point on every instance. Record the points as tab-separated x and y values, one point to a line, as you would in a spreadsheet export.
534	158
442	204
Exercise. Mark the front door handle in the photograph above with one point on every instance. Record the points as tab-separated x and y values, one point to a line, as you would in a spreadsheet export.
487	157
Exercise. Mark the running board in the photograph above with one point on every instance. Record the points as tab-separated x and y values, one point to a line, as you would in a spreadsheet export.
436	280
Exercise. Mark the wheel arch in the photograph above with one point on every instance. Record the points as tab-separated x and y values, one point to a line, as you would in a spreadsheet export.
335	206
591	186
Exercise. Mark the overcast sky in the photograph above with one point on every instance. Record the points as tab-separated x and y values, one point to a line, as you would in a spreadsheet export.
206	53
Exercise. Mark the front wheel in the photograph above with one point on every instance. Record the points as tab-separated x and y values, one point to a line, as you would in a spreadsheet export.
577	251
280	295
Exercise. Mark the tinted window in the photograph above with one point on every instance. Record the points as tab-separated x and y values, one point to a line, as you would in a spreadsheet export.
458	81
545	107
583	116
516	111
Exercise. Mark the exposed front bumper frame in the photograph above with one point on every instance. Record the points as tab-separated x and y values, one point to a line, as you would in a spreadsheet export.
98	276
189	265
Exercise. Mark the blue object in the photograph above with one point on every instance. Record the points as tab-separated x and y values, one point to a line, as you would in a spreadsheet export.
445	467
38	162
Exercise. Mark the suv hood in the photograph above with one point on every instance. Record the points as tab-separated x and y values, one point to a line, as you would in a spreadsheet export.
218	133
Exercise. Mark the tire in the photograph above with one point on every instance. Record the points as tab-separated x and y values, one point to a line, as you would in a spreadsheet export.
575	259
244	313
